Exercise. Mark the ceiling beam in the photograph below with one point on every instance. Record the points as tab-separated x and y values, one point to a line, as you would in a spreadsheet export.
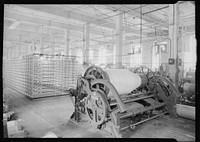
63	13
40	21
136	13
14	25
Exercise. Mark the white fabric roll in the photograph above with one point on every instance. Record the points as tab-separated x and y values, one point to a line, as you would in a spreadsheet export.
123	80
50	135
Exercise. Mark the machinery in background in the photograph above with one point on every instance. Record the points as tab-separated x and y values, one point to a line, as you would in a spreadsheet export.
163	71
187	87
106	98
186	102
186	106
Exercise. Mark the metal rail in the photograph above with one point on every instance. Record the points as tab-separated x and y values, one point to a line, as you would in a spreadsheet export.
133	125
142	110
132	100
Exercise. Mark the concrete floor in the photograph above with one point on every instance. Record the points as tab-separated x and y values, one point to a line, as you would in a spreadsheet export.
42	115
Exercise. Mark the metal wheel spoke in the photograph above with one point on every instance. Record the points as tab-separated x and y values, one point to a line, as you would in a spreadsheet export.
94	115
97	86
147	87
93	72
149	74
100	111
100	75
150	77
89	105
97	109
96	72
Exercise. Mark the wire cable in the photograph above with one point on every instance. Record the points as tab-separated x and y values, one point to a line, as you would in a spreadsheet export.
100	26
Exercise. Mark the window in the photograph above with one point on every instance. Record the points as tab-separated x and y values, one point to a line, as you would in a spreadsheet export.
91	55
163	47
102	55
114	53
136	56
190	55
155	56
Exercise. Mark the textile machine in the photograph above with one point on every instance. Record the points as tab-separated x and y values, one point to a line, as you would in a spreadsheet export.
106	98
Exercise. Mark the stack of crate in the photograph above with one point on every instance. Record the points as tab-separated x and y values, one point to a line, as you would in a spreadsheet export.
40	76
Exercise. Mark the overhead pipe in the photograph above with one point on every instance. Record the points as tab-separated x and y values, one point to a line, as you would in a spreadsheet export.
160	8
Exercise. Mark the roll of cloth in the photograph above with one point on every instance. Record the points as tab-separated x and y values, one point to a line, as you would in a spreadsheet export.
123	80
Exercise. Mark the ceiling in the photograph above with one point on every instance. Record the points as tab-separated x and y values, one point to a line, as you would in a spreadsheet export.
25	23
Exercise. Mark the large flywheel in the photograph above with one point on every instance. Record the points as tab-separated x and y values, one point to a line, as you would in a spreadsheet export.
96	108
149	75
97	73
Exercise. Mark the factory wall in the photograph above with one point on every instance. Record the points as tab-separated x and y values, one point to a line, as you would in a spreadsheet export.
147	54
109	56
23	50
95	57
6	52
189	52
164	57
126	59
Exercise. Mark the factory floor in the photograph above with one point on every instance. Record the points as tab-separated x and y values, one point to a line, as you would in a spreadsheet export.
40	116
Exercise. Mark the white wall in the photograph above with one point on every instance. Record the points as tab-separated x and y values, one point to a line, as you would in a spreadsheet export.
147	54
126	59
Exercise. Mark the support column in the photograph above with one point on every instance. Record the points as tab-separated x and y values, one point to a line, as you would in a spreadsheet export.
5	52
118	53
41	44
20	47
14	52
113	48
19	51
9	52
67	39
173	35
52	44
86	43
73	52
32	49
108	56
96	55
26	49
